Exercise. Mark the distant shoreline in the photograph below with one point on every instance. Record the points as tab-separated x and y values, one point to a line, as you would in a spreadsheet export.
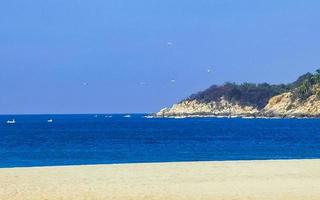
234	116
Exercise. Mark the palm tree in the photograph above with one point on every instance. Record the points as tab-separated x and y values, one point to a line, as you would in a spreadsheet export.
305	88
317	76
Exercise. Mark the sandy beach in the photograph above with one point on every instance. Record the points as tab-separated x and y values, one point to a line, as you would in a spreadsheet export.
288	180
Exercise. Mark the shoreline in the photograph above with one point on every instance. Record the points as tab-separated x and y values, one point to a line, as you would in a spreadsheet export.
236	180
229	117
162	163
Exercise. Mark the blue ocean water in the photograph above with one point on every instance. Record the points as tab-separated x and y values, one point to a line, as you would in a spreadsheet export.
89	139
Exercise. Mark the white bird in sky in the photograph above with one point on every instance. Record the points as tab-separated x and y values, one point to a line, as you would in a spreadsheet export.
173	81
169	43
85	84
209	70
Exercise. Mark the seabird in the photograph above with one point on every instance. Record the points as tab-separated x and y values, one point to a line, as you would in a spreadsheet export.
169	43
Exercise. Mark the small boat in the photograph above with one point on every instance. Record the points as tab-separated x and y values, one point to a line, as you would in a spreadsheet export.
179	117
148	117
13	121
50	120
127	116
248	117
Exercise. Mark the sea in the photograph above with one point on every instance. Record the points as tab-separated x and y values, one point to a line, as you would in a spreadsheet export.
35	140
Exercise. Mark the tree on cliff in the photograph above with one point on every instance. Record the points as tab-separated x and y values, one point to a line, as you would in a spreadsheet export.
252	94
258	95
309	86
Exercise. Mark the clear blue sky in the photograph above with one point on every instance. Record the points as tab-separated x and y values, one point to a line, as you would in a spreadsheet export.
129	51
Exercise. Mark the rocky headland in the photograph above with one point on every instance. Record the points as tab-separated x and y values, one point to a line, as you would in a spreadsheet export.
298	99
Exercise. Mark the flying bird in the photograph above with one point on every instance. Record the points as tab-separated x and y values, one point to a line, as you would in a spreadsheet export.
169	43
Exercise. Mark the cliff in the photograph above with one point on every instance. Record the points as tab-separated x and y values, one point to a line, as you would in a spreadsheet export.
216	108
285	105
298	99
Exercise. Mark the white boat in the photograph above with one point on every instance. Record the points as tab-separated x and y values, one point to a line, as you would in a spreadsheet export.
127	116
13	121
248	117
179	117
50	120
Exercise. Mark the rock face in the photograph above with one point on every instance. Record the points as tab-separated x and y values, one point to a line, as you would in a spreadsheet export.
283	105
286	105
216	108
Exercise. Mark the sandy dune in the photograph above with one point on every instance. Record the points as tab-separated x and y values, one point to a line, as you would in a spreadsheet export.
287	180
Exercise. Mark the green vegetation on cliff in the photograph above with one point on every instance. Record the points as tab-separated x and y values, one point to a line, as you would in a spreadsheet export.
309	86
258	95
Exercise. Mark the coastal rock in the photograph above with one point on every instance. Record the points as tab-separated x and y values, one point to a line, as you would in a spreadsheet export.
283	105
298	99
286	105
280	104
218	108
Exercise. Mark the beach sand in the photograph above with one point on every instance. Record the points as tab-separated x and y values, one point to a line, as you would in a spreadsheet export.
261	180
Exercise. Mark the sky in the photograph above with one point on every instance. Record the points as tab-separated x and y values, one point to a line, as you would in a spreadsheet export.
124	56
